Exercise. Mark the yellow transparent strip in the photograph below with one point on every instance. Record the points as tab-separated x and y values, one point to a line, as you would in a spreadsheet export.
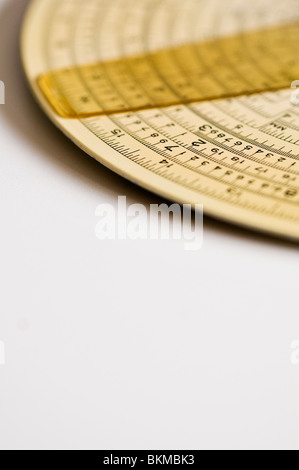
259	61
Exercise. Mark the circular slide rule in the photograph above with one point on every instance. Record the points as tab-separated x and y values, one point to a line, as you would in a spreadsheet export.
190	99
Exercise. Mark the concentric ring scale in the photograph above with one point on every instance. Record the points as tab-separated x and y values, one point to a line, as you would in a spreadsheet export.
186	99
184	74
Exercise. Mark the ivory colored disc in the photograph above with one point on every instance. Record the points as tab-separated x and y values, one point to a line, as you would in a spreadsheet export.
188	99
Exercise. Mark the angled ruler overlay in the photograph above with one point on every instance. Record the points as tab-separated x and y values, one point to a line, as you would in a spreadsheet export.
182	98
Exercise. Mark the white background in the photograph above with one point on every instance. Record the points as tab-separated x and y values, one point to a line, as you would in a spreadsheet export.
129	345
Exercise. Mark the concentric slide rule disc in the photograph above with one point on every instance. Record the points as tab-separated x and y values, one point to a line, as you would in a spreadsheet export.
190	99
